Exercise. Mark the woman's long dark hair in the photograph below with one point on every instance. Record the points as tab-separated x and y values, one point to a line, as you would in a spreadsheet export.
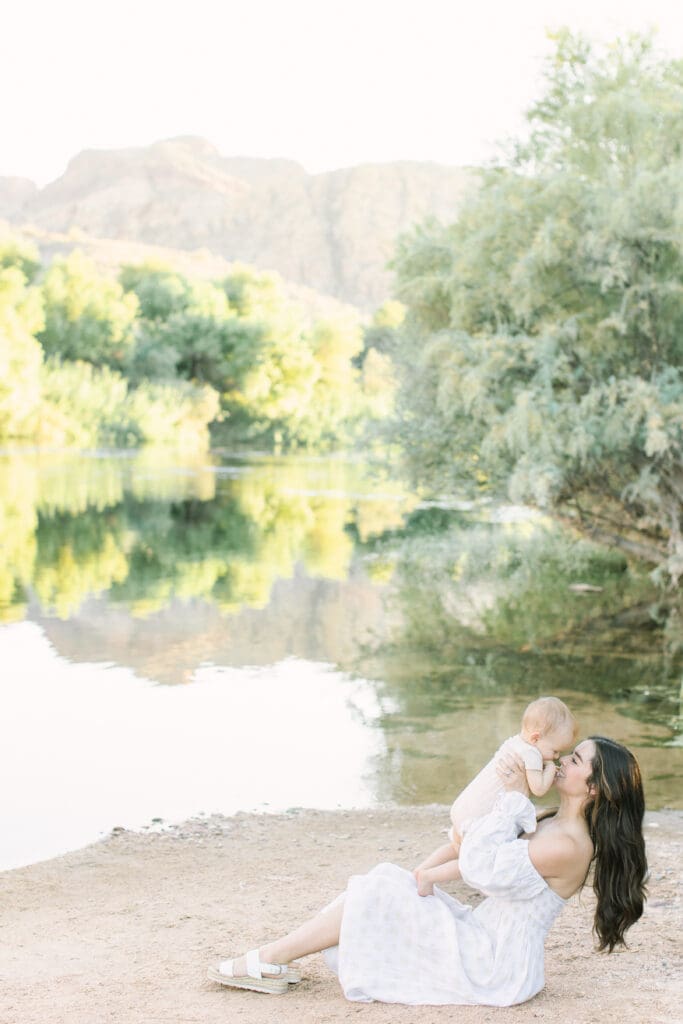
615	821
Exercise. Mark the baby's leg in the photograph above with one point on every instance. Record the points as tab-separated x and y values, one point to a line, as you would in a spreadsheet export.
439	856
426	879
456	840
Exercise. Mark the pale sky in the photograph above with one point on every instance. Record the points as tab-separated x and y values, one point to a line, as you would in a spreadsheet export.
324	82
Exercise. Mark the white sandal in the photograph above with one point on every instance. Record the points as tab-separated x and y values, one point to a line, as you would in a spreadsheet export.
253	980
292	974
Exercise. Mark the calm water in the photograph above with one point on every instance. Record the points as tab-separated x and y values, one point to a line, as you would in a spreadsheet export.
219	634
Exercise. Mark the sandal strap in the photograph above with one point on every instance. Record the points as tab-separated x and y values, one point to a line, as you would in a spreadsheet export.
255	966
226	967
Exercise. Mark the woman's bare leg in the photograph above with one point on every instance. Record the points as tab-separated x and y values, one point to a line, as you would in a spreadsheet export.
315	935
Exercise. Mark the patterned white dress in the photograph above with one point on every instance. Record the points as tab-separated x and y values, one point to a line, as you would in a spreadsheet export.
398	947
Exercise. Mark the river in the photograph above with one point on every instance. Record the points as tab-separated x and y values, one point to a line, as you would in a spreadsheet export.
216	633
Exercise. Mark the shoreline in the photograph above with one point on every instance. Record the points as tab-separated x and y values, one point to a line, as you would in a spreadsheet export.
124	929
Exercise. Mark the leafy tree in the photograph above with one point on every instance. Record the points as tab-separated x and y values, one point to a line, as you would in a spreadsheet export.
160	291
211	349
85	407
21	356
335	397
275	364
16	252
283	378
381	332
87	316
543	343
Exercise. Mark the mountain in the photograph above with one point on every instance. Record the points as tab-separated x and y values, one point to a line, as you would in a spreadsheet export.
332	232
15	194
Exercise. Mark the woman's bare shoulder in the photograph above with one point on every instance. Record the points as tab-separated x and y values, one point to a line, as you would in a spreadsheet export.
561	849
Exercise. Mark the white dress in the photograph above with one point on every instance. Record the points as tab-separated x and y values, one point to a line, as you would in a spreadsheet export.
398	947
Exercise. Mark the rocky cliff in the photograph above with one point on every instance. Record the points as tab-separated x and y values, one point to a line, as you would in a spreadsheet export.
332	232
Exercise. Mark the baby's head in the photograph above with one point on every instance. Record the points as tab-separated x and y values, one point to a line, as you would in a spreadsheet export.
549	725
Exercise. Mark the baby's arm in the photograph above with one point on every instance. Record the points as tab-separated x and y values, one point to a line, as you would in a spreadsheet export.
539	782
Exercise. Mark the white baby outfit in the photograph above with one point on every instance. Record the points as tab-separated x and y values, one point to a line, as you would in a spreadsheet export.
479	796
398	947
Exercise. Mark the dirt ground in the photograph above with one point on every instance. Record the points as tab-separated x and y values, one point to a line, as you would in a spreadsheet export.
124	930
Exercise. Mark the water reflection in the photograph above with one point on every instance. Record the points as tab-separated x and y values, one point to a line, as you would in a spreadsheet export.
146	533
418	633
107	748
444	721
495	610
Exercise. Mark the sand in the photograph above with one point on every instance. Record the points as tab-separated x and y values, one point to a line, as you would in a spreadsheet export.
124	930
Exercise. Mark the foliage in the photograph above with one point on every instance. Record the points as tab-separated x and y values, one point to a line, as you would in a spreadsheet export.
283	379
178	412
85	407
87	316
185	327
156	356
16	252
383	330
160	291
295	384
543	343
20	354
335	396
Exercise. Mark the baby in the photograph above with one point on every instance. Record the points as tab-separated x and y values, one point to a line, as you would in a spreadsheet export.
548	727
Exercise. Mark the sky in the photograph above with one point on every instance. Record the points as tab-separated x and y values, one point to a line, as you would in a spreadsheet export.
327	83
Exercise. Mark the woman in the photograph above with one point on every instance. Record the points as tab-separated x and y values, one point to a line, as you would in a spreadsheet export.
388	943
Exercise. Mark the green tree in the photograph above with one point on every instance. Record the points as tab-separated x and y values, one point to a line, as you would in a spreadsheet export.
543	343
16	252
335	393
275	363
87	316
181	329
21	356
160	291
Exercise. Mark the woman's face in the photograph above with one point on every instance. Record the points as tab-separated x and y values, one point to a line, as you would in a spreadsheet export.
576	769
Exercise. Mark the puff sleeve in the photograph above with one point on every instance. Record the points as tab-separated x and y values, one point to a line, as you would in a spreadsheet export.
492	858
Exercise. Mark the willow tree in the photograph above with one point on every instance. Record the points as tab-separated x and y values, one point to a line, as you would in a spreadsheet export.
543	350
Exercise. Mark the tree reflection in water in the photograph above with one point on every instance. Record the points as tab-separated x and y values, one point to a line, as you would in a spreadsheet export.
457	615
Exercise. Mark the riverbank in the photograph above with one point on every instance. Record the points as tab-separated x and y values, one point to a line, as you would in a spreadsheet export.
124	930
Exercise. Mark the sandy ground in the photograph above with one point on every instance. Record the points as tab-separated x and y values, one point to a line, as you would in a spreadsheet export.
124	930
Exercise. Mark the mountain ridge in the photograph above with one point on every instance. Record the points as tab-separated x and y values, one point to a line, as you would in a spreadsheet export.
333	231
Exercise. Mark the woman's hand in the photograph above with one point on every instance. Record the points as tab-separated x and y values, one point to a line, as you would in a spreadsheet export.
512	774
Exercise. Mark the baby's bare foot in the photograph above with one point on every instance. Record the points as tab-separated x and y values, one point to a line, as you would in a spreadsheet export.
424	886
